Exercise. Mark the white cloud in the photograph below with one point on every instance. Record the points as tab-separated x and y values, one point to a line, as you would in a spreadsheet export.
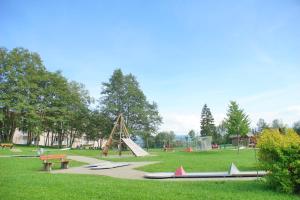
181	123
261	96
295	109
288	115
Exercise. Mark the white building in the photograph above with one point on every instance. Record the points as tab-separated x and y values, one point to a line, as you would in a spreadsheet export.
21	138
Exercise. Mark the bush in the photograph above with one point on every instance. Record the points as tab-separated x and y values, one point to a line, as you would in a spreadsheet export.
279	154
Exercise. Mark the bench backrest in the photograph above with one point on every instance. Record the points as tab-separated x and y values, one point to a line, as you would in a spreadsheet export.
6	145
52	157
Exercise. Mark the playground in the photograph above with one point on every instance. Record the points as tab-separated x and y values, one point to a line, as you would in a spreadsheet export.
23	177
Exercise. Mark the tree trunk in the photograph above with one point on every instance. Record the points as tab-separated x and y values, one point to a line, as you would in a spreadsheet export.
72	141
29	138
47	138
60	136
12	132
52	138
147	144
238	142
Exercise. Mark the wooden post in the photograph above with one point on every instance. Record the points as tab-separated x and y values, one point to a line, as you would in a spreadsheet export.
119	124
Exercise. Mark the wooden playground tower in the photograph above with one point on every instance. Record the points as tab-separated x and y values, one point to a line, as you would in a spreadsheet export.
119	128
123	138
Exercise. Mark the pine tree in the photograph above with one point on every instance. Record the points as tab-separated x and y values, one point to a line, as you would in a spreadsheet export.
207	125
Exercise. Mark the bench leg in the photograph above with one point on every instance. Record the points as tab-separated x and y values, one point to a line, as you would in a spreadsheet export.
47	167
65	165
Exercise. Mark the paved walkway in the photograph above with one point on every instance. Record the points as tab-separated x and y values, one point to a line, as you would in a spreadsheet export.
129	172
126	172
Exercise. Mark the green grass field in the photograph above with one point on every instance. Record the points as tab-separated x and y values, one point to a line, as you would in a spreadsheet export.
22	178
216	160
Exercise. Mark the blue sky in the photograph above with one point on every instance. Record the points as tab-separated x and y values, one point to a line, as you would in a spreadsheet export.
183	53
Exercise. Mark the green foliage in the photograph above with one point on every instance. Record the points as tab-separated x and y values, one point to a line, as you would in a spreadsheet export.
296	127
192	134
165	138
236	122
40	102
221	135
280	155
122	94
37	101
21	75
98	125
207	123
261	125
278	124
22	179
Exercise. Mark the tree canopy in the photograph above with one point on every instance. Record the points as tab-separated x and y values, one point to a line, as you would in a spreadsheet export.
122	94
296	127
237	122
207	125
37	101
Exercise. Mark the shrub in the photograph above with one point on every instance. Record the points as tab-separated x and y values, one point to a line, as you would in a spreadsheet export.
279	154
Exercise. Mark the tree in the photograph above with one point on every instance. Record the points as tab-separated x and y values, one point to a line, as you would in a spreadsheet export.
122	94
37	101
98	126
207	125
237	122
278	124
20	72
296	127
221	133
261	125
192	134
78	116
165	138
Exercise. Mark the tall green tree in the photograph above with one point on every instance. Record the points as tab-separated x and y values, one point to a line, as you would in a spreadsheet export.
165	138
221	133
98	127
207	125
37	101
278	124
296	127
192	134
261	125
20	72
237	122
122	94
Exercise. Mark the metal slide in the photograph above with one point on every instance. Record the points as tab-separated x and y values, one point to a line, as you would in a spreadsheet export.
136	149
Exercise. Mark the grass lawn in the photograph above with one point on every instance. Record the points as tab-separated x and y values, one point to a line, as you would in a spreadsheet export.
215	160
22	178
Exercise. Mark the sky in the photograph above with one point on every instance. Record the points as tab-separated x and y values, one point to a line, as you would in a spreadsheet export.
183	53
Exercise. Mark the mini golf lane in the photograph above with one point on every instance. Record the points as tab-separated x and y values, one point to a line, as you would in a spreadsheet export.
233	172
129	172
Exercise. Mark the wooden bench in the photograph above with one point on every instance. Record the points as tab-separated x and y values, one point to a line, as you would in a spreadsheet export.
48	165
9	145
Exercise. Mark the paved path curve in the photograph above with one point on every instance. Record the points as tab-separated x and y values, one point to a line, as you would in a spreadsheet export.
126	172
